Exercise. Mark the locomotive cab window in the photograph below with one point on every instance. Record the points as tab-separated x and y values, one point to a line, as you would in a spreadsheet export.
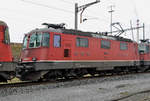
45	40
57	41
82	42
147	49
105	44
35	40
25	41
6	36
143	48
123	46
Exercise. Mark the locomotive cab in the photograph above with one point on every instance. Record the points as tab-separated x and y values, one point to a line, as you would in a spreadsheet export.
144	47
6	60
5	34
35	44
40	48
5	49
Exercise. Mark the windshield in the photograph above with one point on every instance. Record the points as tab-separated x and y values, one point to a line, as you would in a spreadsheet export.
45	41
35	40
144	48
38	40
25	41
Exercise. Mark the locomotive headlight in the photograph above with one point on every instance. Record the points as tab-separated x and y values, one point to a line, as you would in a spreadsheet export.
20	60
1	65
34	59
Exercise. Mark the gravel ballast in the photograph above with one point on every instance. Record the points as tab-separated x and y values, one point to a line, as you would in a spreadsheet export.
97	89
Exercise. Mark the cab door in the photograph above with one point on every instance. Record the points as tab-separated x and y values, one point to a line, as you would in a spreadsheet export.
67	49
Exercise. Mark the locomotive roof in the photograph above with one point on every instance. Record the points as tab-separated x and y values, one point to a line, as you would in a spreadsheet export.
81	33
3	23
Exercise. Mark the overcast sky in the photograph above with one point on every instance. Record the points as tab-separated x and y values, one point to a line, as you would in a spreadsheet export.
25	15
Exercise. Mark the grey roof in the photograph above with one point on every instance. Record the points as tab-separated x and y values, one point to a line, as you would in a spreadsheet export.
81	33
3	23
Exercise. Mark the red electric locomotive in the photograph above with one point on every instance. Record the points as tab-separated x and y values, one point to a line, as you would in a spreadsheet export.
55	52
7	66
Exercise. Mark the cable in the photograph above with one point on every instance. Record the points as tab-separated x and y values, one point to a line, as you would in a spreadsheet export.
97	17
51	7
18	12
68	2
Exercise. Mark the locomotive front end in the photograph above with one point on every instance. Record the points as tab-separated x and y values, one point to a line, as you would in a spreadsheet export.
35	50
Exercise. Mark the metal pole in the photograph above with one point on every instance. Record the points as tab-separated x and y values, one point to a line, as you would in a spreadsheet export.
111	11
111	21
137	30
81	8
131	29
143	31
76	16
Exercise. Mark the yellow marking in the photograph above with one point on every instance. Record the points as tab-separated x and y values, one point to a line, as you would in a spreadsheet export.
124	93
14	80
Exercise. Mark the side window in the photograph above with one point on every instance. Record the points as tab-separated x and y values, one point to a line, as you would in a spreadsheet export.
45	40
57	41
78	42
123	46
82	42
105	44
147	49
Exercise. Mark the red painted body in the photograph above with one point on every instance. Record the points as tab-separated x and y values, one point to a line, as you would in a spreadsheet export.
92	53
5	49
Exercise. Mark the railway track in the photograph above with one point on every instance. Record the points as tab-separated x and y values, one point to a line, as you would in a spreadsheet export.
62	80
30	87
130	95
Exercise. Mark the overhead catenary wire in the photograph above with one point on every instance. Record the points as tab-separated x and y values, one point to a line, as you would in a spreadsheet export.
51	7
47	6
68	2
43	5
20	14
60	9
